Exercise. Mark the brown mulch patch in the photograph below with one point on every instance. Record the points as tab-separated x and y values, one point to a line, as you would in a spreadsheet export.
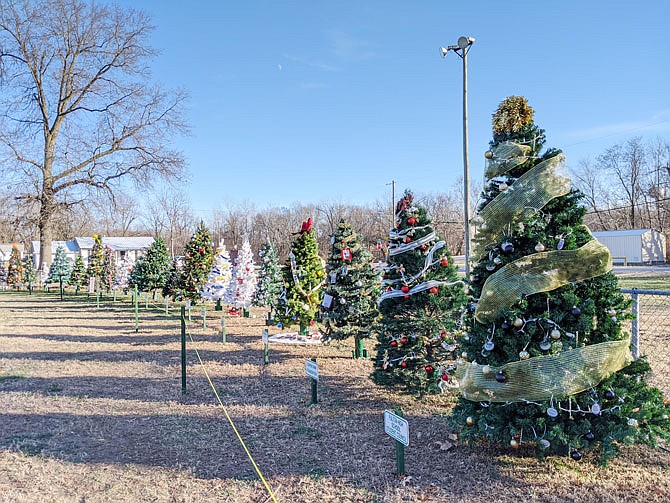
92	411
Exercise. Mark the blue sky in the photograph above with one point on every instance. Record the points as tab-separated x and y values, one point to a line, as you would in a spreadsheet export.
313	100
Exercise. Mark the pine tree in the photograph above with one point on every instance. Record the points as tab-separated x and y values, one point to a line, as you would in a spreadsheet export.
151	270
546	359
349	305
60	269
78	276
15	269
270	282
197	264
123	273
109	268
96	261
29	273
303	280
219	276
421	305
242	285
171	288
3	273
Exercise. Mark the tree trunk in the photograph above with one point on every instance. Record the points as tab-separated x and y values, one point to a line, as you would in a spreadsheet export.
47	207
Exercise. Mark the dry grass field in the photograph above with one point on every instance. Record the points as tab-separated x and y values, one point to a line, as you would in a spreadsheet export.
92	411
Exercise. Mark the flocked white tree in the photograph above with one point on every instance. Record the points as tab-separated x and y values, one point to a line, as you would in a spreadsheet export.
123	273
242	286
219	277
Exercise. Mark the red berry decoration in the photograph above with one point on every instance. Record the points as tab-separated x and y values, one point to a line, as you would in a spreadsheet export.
411	220
445	377
444	262
201	250
403	364
405	289
311	322
424	247
433	290
404	340
394	343
429	369
408	239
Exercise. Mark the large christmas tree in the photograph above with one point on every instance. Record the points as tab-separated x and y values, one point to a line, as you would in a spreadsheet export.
15	268
29	272
219	277
270	282
198	260
151	270
60	269
546	359
242	285
122	278
303	280
78	276
109	268
421	304
96	261
349	306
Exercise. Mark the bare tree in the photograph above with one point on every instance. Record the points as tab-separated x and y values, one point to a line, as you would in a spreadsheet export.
79	112
169	215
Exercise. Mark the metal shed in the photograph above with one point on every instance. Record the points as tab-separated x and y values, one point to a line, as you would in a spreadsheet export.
634	246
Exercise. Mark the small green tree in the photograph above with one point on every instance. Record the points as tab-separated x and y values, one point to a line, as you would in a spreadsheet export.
78	277
349	305
96	261
109	268
171	287
198	258
29	273
303	280
15	269
151	269
60	270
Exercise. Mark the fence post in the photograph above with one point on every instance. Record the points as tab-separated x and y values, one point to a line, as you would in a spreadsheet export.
635	326
183	350
137	313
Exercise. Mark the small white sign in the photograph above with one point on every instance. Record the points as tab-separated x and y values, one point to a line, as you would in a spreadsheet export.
203	312
265	337
223	321
396	427
327	301
312	369
188	304
91	285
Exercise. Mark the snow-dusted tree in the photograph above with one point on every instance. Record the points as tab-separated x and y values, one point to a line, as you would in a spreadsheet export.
242	286
270	282
123	272
219	277
60	269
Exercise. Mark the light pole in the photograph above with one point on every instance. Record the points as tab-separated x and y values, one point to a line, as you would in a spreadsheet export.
462	48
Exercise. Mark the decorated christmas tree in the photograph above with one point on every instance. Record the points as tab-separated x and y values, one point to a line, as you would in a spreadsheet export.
171	288
270	282
109	268
3	273
78	276
219	277
122	279
29	273
422	302
197	264
303	280
151	270
96	261
242	285
61	268
15	268
546	356
349	306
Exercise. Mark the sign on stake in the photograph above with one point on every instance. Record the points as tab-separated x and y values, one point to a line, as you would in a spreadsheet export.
312	371
223	329
266	348
398	428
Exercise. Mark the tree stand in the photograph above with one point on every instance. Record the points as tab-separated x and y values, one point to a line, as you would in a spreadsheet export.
303	328
218	306
359	350
245	312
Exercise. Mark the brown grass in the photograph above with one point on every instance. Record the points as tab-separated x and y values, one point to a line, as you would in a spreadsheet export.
92	411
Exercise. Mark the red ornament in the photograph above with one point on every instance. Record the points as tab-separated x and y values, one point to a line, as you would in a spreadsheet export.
311	322
433	290
443	335
408	239
403	364
403	340
407	296
389	289
394	343
404	289
411	220
444	262
424	247
429	369
201	250
445	377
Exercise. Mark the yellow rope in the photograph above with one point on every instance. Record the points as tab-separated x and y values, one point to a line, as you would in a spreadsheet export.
267	486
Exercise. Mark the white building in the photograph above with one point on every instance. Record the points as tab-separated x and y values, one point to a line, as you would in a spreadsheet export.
132	246
634	246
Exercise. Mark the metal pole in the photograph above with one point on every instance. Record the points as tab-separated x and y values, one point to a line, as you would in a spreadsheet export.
183	350
399	451
137	310
223	329
466	164
635	328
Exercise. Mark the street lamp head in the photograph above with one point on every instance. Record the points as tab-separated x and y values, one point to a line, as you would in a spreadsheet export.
464	42
444	51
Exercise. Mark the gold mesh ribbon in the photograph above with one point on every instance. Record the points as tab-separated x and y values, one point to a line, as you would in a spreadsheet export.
506	156
540	272
544	377
531	192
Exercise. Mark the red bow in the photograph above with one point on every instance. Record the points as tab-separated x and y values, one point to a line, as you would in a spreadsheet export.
306	226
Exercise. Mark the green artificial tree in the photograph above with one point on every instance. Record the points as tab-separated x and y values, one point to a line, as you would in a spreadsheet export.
151	270
270	281
29	273
109	268
78	276
349	306
198	259
15	268
171	287
60	270
546	359
421	304
96	262
303	279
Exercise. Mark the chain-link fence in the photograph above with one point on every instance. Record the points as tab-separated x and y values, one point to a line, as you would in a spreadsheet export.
651	333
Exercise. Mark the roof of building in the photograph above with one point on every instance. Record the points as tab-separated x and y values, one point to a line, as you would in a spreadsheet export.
70	246
117	243
623	232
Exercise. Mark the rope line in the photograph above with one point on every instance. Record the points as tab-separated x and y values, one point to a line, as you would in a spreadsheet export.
230	420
